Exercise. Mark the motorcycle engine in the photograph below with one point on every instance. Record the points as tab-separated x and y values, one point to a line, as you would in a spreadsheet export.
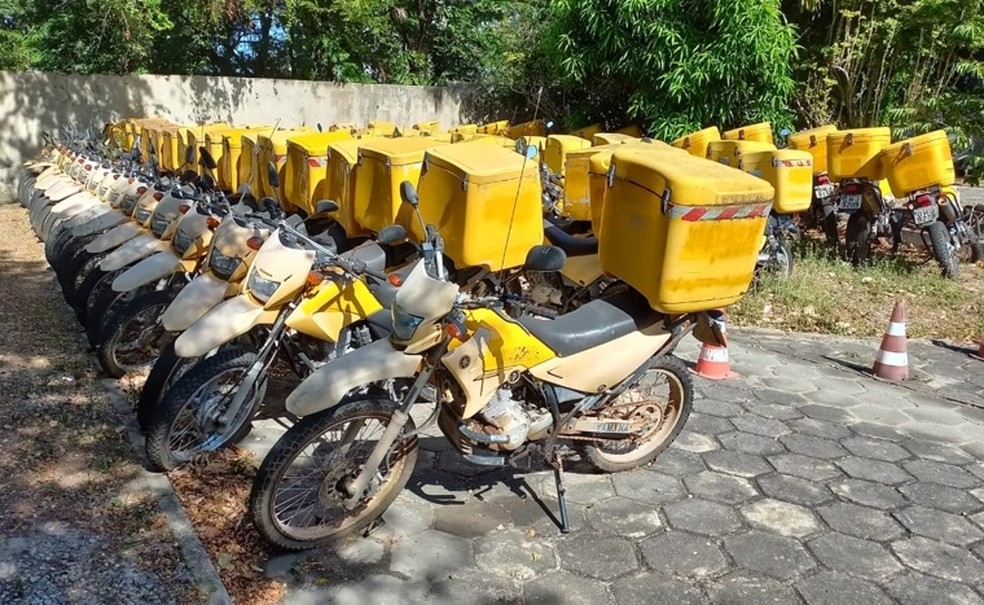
509	416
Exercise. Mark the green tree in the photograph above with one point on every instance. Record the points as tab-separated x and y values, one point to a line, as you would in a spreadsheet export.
675	65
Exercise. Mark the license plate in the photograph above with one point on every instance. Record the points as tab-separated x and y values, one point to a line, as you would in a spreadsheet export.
926	214
823	191
850	202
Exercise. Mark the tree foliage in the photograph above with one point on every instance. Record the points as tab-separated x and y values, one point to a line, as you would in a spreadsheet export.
675	64
672	65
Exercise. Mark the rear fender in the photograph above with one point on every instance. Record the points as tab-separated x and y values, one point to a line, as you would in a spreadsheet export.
226	321
374	362
137	248
194	301
115	237
147	271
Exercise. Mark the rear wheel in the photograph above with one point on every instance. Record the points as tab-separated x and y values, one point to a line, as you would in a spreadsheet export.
859	239
195	416
662	399
946	256
298	493
133	335
830	229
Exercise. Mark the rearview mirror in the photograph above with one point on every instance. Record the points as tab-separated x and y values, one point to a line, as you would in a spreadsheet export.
189	175
206	159
320	127
272	177
190	154
392	234
545	258
524	148
326	206
207	181
409	194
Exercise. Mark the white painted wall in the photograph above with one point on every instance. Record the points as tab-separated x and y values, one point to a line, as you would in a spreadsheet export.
33	102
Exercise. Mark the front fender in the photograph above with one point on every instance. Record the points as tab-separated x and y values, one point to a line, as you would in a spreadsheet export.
147	271
137	248
105	221
224	322
74	204
63	190
194	301
374	362
117	236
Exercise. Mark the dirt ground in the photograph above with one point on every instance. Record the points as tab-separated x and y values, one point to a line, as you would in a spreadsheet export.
76	527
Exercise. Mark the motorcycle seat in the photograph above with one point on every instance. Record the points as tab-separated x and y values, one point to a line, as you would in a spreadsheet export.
572	246
593	324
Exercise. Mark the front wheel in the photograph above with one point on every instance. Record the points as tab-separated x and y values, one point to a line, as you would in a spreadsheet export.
168	368
939	239
132	336
297	497
196	415
662	399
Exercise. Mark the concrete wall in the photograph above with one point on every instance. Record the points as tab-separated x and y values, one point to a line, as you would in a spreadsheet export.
31	103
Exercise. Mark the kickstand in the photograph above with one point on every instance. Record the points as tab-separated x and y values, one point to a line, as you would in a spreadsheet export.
565	521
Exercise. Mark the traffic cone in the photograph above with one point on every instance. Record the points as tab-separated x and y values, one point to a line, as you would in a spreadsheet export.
714	363
892	361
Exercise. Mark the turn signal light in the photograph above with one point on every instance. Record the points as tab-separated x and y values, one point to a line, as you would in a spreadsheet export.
314	278
454	331
394	280
254	243
158	195
212	222
184	208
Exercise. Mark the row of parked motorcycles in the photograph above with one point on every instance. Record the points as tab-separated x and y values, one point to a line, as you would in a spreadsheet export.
219	293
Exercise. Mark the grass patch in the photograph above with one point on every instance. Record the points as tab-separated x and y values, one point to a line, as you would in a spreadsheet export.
828	296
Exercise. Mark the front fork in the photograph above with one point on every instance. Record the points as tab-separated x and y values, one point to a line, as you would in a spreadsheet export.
357	488
264	357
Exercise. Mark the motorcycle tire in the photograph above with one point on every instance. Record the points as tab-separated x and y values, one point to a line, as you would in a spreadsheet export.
59	238
82	281
263	500
939	239
598	454
69	269
67	253
233	361
148	306
858	238
102	301
830	229
167	370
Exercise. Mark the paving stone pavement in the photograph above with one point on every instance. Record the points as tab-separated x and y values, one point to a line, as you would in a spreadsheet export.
801	481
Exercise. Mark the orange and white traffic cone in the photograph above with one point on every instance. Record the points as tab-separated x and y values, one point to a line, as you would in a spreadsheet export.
714	363
892	361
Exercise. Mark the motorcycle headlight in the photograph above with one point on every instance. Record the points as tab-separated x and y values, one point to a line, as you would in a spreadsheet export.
224	266
159	224
182	241
141	215
261	288
129	201
404	324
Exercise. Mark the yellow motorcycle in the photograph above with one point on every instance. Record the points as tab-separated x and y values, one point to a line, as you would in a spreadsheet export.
302	305
601	378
